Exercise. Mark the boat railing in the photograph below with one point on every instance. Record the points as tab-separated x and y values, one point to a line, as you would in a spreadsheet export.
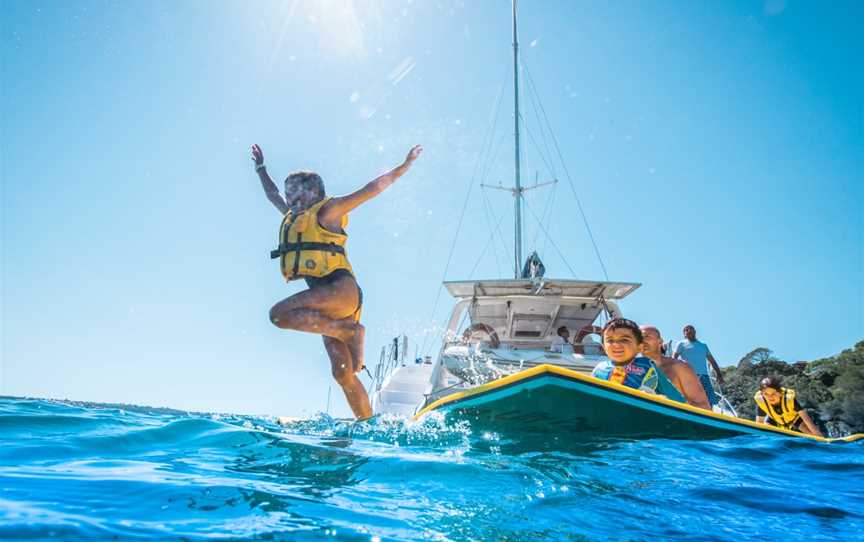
722	402
393	355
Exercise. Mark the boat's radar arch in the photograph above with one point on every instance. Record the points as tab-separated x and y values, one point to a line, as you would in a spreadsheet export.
526	321
541	287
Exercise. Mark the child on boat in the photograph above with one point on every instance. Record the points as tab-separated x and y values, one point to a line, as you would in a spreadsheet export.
312	242
622	340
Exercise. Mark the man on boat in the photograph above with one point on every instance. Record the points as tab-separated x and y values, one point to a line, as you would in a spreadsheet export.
777	406
679	373
697	354
312	241
622	341
561	340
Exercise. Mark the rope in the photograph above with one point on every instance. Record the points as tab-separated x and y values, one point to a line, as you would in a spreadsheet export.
569	179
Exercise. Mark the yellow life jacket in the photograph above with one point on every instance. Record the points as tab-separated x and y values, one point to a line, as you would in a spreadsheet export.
308	250
787	415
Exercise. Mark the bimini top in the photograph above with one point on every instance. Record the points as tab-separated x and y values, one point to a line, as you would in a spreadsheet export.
540	287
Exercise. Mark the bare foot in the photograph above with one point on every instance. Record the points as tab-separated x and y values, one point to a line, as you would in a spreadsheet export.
355	342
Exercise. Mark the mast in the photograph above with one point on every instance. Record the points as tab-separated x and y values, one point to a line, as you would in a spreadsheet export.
517	193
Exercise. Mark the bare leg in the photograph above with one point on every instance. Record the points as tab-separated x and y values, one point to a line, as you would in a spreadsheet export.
329	311
355	346
342	368
323	310
314	321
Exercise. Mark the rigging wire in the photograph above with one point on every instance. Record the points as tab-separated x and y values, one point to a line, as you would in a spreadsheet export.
531	137
489	137
569	178
547	208
546	160
494	157
492	228
546	240
452	249
483	252
532	95
507	254
549	237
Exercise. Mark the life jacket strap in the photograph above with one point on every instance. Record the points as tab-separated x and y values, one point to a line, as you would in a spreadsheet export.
285	248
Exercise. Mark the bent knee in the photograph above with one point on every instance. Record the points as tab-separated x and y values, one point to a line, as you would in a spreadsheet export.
342	372
274	316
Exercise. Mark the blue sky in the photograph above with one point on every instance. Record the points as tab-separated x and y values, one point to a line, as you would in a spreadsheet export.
717	149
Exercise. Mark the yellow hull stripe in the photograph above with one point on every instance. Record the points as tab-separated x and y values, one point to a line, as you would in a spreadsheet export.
659	399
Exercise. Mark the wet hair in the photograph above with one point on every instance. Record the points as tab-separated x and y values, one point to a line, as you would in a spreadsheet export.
623	323
769	382
304	179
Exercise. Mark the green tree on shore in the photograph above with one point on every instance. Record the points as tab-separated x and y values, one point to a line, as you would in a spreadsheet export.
832	389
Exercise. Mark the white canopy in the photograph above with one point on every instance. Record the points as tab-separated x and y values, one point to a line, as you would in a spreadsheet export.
540	287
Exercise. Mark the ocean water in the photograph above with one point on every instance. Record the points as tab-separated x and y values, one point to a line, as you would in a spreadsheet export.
72	471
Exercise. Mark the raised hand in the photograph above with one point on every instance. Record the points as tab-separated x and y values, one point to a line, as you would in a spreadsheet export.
413	153
257	154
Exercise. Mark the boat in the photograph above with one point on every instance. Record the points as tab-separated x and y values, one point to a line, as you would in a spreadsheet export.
502	368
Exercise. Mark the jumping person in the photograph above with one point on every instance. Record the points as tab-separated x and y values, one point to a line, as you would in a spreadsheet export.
312	241
777	406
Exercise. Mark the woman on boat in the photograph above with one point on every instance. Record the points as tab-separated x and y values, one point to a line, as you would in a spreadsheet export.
777	406
312	241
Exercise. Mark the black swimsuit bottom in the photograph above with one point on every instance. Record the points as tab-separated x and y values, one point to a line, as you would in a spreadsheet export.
326	280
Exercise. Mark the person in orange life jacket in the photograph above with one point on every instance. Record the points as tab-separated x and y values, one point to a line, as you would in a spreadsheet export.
311	246
622	341
679	373
777	406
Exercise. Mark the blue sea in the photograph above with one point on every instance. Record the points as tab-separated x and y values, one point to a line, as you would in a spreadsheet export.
84	471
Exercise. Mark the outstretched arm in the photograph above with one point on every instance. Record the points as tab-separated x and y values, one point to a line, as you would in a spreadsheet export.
342	205
270	188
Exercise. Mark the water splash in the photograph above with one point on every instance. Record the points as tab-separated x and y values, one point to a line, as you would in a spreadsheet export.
82	471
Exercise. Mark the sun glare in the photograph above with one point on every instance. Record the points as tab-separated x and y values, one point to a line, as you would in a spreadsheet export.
340	28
